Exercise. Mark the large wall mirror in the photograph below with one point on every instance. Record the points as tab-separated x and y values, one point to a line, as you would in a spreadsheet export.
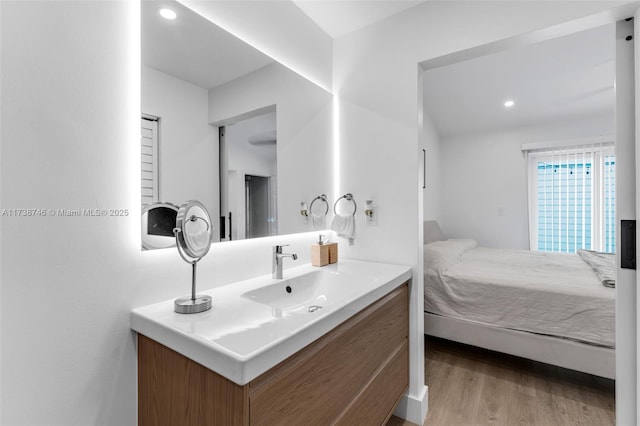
227	125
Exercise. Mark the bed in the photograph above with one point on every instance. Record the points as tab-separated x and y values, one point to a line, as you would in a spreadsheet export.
549	307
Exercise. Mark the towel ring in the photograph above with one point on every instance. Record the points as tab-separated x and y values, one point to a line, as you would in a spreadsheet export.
349	197
323	198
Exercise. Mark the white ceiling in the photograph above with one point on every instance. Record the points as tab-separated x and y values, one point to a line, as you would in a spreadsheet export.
339	17
565	78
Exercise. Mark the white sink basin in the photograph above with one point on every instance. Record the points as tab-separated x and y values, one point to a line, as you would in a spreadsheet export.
306	293
255	324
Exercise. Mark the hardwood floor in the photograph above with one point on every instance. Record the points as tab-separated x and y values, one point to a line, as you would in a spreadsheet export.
473	386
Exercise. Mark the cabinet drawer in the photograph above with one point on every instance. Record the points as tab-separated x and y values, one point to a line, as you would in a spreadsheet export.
371	407
319	383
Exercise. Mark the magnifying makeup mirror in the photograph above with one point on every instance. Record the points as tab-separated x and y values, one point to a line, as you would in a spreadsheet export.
193	234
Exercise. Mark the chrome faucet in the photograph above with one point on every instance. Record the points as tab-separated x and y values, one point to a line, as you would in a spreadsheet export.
276	264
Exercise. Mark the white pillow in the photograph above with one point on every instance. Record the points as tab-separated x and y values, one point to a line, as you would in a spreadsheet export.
432	232
441	254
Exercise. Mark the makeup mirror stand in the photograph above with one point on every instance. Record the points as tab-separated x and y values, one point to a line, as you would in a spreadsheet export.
193	244
195	303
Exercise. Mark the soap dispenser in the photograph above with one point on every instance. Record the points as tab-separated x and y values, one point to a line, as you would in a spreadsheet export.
319	253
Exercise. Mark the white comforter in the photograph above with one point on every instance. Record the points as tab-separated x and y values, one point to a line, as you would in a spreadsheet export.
545	293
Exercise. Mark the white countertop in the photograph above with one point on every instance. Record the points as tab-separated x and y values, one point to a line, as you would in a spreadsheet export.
241	338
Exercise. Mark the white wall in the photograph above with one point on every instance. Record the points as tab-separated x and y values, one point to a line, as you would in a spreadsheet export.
485	179
188	146
260	160
304	149
376	78
70	139
432	194
483	174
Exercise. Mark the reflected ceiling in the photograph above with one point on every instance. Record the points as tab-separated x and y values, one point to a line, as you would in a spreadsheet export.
207	56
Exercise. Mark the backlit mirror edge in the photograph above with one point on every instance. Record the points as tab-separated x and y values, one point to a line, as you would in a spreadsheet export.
327	187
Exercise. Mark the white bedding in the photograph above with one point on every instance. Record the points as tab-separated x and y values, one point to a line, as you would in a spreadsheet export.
546	293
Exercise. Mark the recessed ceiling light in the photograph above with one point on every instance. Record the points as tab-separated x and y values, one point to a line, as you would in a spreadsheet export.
509	103
168	14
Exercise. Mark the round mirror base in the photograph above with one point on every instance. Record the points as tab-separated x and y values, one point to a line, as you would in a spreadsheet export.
187	305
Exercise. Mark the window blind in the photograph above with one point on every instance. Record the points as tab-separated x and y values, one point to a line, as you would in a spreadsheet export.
149	160
572	198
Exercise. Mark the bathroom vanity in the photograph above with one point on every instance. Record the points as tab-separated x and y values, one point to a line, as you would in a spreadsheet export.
324	346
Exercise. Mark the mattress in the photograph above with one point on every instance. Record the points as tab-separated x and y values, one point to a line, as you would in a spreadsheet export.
552	294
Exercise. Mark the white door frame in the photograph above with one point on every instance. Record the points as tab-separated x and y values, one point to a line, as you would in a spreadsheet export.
636	36
626	208
636	73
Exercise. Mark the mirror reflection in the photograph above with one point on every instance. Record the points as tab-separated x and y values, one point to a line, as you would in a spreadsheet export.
225	124
158	221
248	176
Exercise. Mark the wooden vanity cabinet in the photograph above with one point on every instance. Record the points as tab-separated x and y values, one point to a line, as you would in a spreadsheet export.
354	374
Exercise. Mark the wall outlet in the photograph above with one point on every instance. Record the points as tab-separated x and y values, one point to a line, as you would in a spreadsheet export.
501	211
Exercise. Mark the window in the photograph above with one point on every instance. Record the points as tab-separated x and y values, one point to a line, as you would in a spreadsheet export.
572	199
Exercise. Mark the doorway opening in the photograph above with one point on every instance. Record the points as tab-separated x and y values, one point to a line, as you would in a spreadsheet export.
248	176
479	162
258	206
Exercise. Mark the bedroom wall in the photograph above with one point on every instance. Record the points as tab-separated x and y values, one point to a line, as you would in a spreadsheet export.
485	179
